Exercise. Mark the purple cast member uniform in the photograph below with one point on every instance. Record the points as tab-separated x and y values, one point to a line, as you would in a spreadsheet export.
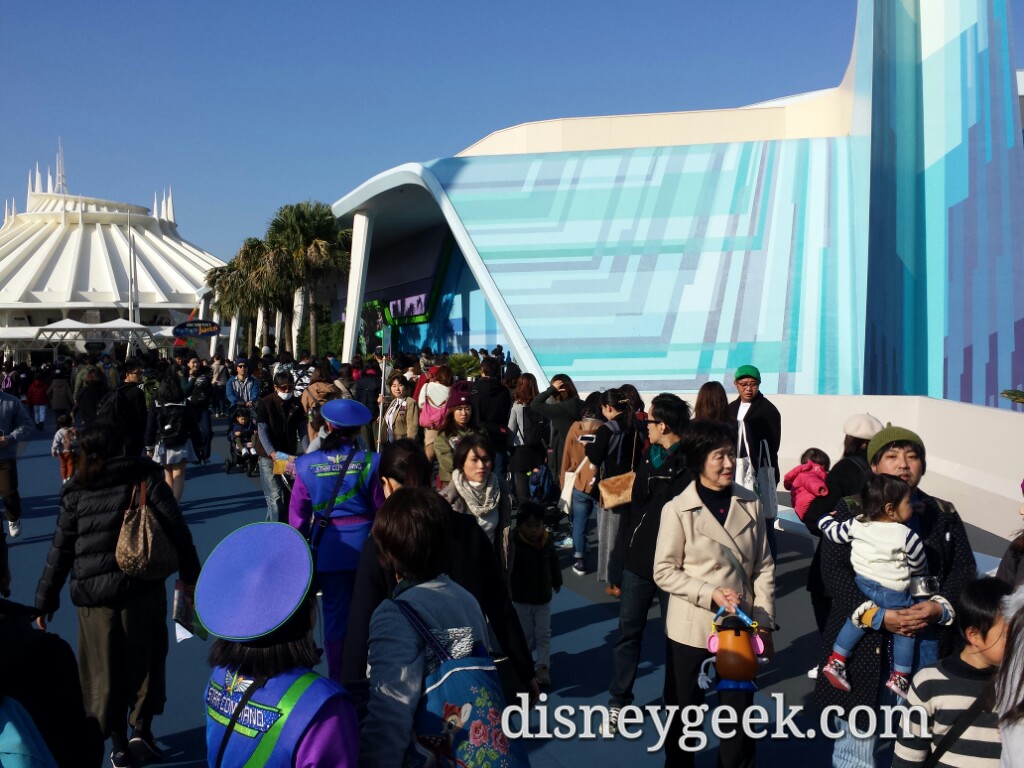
297	717
336	494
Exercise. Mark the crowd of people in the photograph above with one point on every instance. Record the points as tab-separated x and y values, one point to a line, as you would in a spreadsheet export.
422	510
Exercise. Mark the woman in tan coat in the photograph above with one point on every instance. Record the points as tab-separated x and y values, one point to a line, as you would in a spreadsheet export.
400	412
712	553
319	391
574	459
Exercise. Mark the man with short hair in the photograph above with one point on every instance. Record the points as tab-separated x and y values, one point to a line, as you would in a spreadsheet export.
281	422
900	452
130	409
242	389
14	426
661	476
758	421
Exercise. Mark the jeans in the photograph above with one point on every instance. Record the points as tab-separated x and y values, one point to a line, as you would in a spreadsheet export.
582	505
638	594
536	621
849	751
275	492
9	489
851	634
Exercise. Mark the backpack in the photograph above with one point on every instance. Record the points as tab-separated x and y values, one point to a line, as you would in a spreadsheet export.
431	415
458	718
170	423
536	429
109	407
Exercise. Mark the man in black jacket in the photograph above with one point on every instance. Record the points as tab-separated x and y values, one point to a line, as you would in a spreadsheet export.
130	411
492	404
759	420
661	476
281	422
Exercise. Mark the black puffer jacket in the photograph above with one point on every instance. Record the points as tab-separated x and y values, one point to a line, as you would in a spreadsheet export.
86	536
492	405
652	490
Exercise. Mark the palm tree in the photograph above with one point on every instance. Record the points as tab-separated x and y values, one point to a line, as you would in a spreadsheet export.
235	292
308	234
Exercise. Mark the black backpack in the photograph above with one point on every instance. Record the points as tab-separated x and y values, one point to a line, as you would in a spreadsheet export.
109	407
170	422
536	429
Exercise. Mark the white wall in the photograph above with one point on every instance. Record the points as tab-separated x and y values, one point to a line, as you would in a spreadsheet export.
975	454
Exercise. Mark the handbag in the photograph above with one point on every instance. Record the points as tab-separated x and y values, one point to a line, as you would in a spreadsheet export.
568	481
745	475
431	415
617	491
765	485
143	549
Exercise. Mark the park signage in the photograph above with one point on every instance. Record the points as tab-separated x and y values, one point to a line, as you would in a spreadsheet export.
196	329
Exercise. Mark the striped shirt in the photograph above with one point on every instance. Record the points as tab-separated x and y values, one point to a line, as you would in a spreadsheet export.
886	553
946	690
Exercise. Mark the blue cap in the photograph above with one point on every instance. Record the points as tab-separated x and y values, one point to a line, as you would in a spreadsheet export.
345	413
254	581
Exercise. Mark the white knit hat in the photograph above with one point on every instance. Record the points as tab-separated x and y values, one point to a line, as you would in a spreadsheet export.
862	425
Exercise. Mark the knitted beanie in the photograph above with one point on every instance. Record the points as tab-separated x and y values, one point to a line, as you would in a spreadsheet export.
890	435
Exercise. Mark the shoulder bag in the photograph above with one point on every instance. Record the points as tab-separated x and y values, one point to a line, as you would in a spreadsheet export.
617	491
765	486
745	474
144	550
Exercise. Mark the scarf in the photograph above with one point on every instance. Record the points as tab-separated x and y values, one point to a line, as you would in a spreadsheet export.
479	498
397	407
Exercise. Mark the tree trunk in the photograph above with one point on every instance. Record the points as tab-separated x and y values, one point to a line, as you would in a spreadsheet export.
261	328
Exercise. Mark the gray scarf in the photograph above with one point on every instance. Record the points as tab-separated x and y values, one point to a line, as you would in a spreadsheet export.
479	499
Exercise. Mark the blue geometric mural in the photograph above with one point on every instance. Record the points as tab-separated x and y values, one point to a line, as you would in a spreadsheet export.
886	260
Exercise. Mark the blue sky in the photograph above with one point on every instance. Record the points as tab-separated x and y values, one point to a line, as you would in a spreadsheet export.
242	107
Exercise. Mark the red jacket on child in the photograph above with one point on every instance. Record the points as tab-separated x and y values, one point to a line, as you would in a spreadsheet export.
806	482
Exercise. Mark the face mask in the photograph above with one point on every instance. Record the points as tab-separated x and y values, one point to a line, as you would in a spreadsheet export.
285	395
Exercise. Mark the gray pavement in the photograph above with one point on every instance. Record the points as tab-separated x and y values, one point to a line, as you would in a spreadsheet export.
584	627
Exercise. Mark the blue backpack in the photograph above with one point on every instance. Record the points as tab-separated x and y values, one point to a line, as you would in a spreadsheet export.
458	719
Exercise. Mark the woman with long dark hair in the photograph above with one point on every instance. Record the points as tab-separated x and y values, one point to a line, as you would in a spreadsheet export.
560	404
527	452
617	448
171	430
122	621
712	403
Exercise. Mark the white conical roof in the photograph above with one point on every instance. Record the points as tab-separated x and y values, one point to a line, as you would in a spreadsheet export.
71	252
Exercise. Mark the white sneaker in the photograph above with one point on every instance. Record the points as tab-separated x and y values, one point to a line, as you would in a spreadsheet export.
813	673
14	527
613	722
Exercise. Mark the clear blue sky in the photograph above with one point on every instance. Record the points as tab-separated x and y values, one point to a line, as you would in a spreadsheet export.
242	107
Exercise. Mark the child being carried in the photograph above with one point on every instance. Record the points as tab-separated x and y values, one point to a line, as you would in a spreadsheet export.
885	555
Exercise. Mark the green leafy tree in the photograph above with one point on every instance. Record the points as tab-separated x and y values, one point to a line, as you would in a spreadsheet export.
307	234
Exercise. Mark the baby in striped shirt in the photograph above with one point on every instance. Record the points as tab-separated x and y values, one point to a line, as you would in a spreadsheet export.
885	554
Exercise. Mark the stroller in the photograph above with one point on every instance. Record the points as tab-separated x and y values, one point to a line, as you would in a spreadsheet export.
241	437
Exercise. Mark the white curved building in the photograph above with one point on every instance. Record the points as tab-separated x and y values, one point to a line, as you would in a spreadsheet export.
70	257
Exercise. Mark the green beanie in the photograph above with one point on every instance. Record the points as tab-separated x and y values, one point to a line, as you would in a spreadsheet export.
747	372
890	435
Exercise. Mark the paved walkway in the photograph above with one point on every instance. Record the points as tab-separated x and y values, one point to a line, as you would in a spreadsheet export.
584	626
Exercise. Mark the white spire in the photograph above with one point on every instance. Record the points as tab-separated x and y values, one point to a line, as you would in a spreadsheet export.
163	205
29	186
49	181
39	180
170	205
62	182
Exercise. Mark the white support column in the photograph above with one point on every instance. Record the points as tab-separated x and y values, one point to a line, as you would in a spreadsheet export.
216	339
298	316
278	327
362	234
261	320
233	338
